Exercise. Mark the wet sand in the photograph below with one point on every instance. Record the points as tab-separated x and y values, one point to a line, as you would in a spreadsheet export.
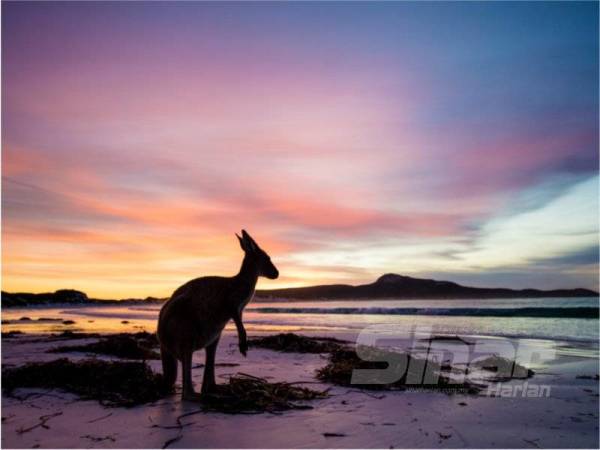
349	418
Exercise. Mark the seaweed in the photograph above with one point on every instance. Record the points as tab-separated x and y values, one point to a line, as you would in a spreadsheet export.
504	368
68	335
249	394
445	338
411	371
290	342
405	370
127	384
41	423
112	383
588	377
131	346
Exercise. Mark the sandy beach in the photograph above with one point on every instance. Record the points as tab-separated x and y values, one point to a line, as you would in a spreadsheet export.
348	418
383	217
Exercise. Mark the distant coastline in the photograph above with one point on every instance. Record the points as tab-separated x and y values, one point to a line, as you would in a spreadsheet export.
399	287
66	297
386	287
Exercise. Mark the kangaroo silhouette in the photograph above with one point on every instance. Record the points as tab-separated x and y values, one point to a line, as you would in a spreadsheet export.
195	315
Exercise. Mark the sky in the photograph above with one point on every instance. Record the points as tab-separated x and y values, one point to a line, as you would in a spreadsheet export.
450	140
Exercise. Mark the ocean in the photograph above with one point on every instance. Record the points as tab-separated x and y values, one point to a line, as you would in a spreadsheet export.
569	319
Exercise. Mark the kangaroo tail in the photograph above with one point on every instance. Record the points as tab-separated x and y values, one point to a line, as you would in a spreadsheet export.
169	367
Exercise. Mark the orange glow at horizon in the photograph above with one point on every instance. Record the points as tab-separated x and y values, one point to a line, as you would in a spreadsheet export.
352	141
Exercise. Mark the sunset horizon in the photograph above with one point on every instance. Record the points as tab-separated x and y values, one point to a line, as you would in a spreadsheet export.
455	142
269	291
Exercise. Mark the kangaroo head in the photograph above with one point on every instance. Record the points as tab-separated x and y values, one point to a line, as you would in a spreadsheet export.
258	256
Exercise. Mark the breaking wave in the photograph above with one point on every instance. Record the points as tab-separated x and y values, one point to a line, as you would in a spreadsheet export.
563	312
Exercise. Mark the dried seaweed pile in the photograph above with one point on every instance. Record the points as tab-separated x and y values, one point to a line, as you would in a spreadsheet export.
402	371
504	369
113	383
124	345
290	342
445	338
249	394
68	335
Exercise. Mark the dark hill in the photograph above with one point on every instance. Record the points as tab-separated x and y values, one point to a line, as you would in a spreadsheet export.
61	297
392	286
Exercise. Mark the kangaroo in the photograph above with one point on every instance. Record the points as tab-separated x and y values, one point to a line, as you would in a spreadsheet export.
195	315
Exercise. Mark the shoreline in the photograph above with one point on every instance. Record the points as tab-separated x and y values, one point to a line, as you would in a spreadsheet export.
349	418
335	317
286	300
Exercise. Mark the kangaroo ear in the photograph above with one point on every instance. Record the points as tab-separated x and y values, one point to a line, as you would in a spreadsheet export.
241	242
251	245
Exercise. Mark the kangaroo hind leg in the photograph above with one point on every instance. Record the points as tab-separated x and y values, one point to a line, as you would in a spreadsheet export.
208	382
169	366
188	387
